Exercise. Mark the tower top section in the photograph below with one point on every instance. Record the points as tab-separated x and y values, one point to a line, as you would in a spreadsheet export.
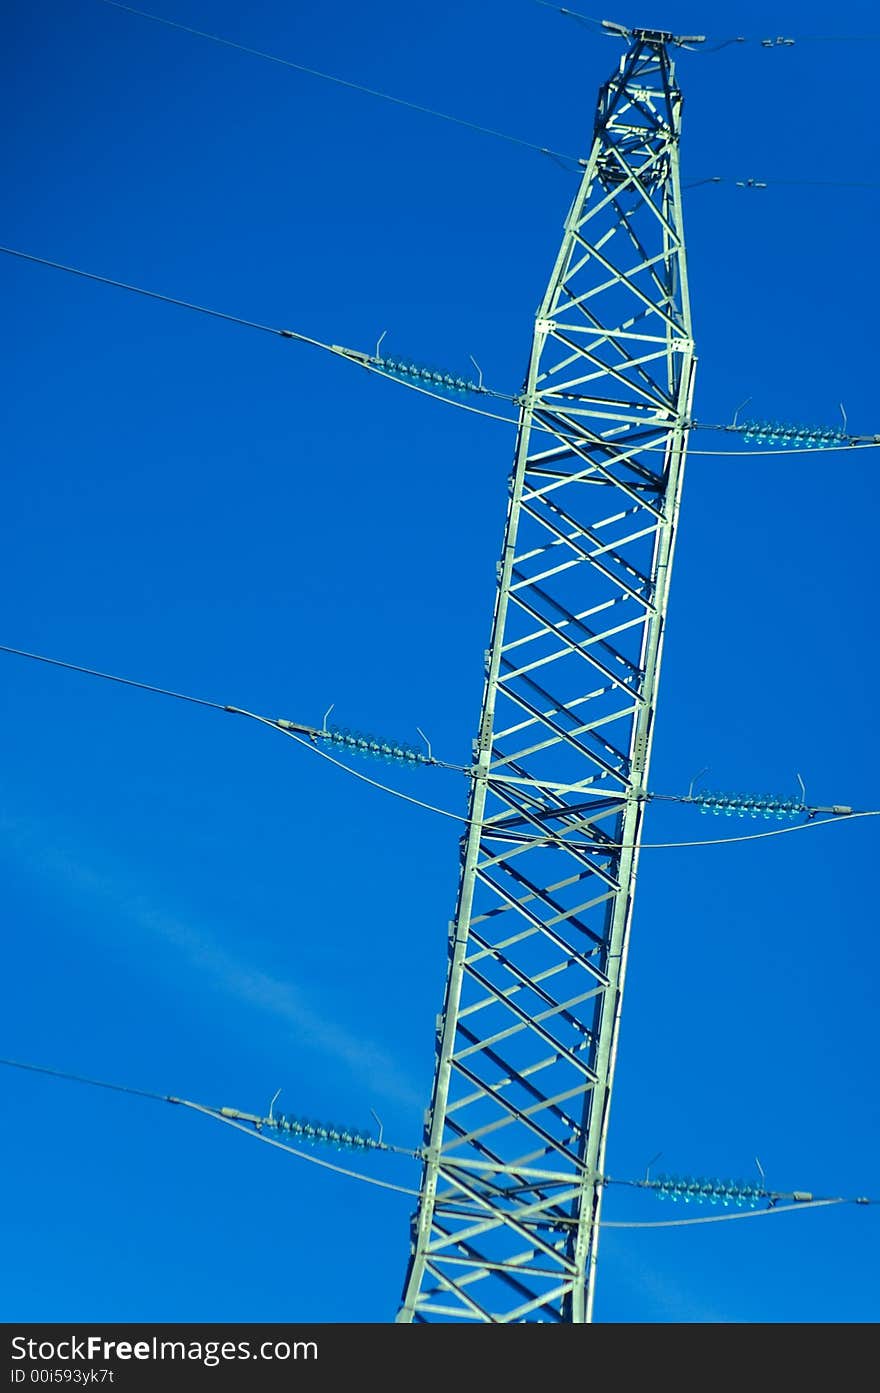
652	36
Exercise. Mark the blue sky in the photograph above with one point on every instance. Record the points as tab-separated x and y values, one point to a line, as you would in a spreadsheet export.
196	906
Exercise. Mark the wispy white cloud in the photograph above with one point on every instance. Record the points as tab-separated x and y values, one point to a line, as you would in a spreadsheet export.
110	889
284	1000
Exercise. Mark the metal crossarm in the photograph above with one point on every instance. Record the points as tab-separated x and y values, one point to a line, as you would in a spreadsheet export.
507	1224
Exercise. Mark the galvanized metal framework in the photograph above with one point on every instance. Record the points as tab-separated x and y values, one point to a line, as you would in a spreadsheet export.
507	1224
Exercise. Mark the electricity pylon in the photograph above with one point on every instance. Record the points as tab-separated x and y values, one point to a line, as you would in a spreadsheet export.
507	1224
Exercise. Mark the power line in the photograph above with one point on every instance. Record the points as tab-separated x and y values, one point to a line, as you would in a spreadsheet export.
753	183
727	1192
276	724
669	846
347	354
230	1118
218	1117
280	725
575	14
112	677
92	1083
350	355
787	41
794	450
570	160
718	1218
157	295
757	836
343	82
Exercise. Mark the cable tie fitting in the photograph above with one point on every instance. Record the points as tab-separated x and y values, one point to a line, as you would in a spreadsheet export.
295	725
354	354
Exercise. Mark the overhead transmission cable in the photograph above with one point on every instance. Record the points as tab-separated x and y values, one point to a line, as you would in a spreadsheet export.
720	1218
233	1117
260	1128
370	363
567	161
572	14
604	846
343	82
403	374
791	183
92	1083
113	677
342	739
307	736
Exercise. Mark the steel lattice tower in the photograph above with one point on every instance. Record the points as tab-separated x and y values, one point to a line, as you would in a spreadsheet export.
507	1224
